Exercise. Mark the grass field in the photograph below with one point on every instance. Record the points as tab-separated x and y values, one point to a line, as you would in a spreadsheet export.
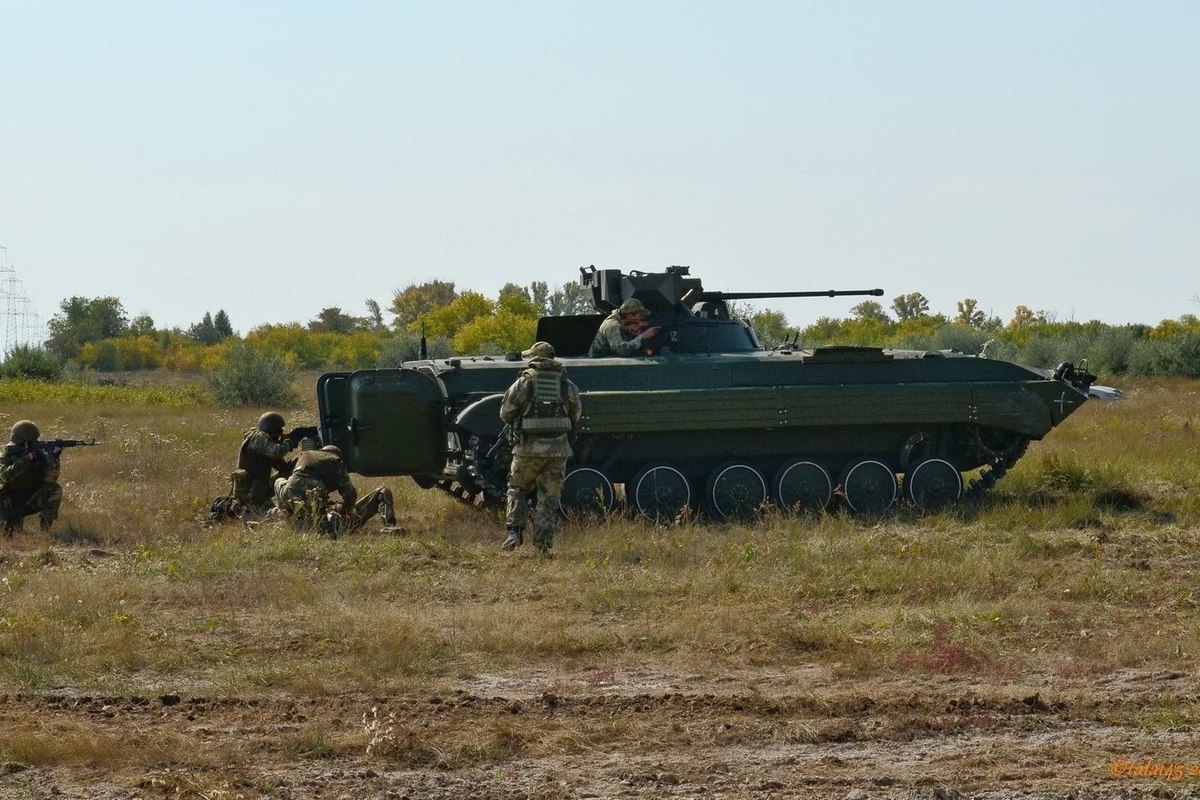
144	654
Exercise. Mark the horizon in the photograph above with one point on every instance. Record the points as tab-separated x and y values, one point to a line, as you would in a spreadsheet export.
274	160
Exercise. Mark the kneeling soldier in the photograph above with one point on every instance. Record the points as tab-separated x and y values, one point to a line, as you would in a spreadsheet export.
261	461
28	480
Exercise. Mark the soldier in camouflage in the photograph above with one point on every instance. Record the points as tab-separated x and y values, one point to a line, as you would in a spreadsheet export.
304	495
540	406
625	332
28	480
261	461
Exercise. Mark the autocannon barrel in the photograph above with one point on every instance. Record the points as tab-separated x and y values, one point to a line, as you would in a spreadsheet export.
703	296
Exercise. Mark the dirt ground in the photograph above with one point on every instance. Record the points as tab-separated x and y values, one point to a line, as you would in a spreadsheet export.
757	734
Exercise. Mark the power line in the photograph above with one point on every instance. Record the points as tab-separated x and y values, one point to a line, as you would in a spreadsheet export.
20	323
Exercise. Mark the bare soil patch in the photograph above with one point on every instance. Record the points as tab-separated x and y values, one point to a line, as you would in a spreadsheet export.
759	733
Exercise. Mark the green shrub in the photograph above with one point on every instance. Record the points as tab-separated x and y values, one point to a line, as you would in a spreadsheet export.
1176	356
960	338
407	347
1041	351
1111	349
24	361
250	377
913	341
999	349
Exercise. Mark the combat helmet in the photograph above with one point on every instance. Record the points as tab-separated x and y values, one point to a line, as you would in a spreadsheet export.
24	431
271	422
632	306
332	448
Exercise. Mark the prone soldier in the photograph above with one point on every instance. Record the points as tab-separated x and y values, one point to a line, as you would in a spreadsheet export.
304	495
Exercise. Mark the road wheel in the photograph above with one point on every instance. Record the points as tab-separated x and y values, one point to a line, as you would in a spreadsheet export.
933	484
660	493
802	485
586	492
869	486
735	491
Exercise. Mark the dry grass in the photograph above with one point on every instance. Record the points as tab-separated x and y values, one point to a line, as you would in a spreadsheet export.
1083	561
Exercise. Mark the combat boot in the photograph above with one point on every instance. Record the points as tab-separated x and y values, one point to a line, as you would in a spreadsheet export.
387	513
13	523
543	539
515	539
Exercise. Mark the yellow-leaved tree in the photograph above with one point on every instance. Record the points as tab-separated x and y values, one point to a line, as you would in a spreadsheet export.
477	325
446	321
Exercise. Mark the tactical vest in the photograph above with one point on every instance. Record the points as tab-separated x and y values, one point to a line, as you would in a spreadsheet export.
256	465
321	466
546	413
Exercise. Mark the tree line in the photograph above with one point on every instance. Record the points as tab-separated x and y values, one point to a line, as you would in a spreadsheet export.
97	334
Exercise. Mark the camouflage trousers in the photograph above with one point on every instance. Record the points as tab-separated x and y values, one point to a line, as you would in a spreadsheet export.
378	500
44	500
253	494
307	503
545	471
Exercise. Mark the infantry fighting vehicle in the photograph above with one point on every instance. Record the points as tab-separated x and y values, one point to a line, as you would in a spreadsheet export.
707	416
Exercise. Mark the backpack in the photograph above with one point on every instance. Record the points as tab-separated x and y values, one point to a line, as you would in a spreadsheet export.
226	508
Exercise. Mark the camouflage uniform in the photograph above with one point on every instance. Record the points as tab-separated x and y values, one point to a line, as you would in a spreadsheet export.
261	454
305	494
612	340
28	485
538	460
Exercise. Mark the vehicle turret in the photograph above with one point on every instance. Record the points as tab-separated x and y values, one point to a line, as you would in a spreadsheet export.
692	319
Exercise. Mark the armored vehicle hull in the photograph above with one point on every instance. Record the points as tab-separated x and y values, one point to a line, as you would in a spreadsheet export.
730	431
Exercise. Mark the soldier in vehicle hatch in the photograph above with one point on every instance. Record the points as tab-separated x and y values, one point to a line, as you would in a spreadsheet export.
625	332
261	461
540	407
305	494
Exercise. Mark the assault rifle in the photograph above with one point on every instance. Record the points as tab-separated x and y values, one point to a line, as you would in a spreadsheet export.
507	435
42	449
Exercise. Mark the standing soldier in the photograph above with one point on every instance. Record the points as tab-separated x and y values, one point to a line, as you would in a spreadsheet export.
625	332
28	480
540	406
260	461
305	494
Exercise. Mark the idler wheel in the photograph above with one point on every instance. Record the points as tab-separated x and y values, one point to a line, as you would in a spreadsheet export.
933	484
586	491
735	491
802	485
660	493
869	486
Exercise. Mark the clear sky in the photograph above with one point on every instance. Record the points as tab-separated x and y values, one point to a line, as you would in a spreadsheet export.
276	158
